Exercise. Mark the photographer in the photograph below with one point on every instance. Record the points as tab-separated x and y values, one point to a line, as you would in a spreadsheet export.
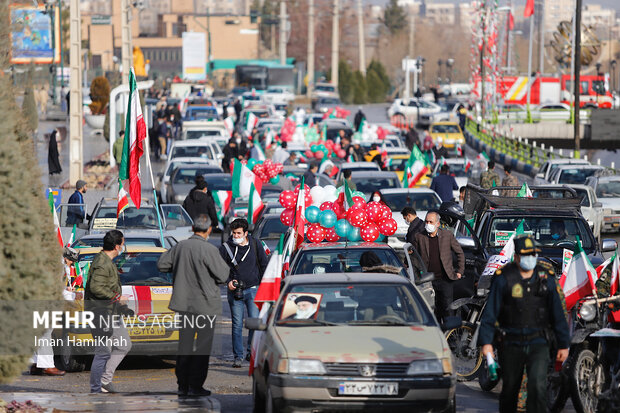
247	261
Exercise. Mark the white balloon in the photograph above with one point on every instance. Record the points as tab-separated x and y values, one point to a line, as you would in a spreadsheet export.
331	193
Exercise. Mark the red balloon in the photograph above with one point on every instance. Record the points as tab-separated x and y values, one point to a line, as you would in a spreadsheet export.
296	191
330	235
315	233
327	206
287	199
357	217
267	163
287	216
309	153
329	144
319	155
337	147
374	211
338	208
388	227
279	168
369	232
386	212
341	153
358	202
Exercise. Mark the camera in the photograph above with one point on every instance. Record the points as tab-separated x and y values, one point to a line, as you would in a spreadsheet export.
238	292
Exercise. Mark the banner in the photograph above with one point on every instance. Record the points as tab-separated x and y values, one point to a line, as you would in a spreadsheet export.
32	37
194	56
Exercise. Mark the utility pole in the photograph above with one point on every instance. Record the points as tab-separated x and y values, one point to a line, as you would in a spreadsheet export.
283	32
482	74
577	81
541	58
62	56
75	118
126	51
310	47
411	34
335	43
360	32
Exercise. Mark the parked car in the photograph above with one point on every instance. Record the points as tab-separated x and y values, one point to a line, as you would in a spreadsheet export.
200	129
203	148
607	189
323	104
135	239
451	134
573	174
365	342
421	199
323	89
544	173
182	180
369	181
417	110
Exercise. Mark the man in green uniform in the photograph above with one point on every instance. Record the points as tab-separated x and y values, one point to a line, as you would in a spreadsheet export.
527	305
489	178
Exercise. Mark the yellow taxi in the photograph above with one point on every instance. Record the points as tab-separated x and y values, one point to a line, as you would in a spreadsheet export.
396	162
147	291
450	133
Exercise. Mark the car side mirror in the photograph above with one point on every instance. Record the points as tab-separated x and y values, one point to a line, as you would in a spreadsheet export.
425	278
597	205
255	324
83	225
609	245
466	242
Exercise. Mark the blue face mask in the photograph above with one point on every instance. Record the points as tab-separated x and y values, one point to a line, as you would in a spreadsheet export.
528	262
555	236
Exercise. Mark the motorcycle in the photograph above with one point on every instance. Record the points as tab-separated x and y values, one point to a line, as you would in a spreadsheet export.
609	398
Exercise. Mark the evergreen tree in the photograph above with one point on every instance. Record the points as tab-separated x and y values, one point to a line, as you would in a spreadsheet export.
394	17
345	82
375	87
379	69
360	93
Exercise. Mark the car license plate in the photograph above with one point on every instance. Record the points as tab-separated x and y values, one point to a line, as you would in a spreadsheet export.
368	389
147	331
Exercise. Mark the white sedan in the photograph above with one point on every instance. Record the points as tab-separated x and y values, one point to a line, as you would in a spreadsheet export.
421	199
410	108
278	94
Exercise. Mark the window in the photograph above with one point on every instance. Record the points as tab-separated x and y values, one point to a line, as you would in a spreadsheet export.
609	189
547	231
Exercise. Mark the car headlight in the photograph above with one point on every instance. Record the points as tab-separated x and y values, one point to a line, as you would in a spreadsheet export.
587	312
301	366
425	367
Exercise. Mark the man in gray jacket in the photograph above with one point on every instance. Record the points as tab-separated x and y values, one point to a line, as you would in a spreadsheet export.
197	268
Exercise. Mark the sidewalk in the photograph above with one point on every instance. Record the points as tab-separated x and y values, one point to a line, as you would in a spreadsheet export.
127	402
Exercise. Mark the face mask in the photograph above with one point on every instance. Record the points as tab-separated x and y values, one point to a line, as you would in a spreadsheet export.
238	241
555	236
376	198
528	262
318	270
123	250
304	314
430	228
238	141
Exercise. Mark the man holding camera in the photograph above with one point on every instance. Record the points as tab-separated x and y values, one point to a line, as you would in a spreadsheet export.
247	261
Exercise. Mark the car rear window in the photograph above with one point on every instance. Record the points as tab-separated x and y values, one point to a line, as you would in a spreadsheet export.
272	228
445	129
421	201
198	151
145	217
316	261
609	189
129	241
547	231
576	175
370	185
197	134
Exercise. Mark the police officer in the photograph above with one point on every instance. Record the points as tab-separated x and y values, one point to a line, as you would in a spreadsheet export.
528	305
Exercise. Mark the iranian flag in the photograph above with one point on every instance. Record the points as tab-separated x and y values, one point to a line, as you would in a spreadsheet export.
135	133
529	8
459	149
613	283
300	212
525	191
579	279
243	179
222	201
123	201
250	123
260	153
73	235
416	168
50	200
467	164
255	205
229	124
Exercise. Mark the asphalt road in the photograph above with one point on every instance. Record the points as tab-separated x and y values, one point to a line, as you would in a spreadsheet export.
232	387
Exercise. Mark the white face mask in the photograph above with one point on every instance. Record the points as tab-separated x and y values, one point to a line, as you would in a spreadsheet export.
528	262
238	241
304	314
430	228
238	141
376	198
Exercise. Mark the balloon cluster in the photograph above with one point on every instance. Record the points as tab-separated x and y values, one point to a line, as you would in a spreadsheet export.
266	170
330	220
325	149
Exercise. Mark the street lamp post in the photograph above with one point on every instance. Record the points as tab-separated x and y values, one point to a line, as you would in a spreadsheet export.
439	64
449	65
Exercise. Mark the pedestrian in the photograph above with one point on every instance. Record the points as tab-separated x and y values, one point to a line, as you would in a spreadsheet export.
281	154
68	99
310	174
247	261
103	297
462	114
197	269
416	225
346	177
359	118
117	149
462	196
230	152
154	138
444	184
489	178
526	310
43	98
411	138
53	157
200	201
358	152
377	197
162	135
438	248
440	150
510	180
77	213
238	108
291	160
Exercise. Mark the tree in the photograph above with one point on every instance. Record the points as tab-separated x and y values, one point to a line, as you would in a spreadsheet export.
345	82
30	266
378	68
100	95
360	92
375	87
394	17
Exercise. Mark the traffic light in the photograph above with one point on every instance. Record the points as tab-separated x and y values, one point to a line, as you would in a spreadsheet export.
253	15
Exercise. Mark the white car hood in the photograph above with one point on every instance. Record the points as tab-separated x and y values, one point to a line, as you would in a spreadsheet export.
610	203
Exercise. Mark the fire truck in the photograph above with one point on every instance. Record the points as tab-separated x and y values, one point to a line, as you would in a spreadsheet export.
553	89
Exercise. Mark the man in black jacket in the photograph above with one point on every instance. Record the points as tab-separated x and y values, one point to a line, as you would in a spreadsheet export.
247	260
199	201
416	225
310	174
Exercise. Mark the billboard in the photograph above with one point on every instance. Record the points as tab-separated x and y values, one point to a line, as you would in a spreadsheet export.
31	35
194	56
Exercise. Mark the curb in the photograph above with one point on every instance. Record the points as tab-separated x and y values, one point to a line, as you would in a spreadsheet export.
499	157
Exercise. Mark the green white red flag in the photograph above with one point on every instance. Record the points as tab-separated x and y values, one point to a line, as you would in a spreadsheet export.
580	278
50	200
242	180
222	201
123	201
614	281
416	168
467	164
250	123
300	215
229	124
255	205
135	132
525	191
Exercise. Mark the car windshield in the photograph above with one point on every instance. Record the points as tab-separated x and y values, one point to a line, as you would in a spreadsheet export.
199	151
352	304
576	175
272	228
610	189
457	170
188	175
131	217
202	113
396	164
445	129
329	101
420	201
317	261
369	185
549	232
136	268
321	88
259	113
218	183
199	133
129	241
583	194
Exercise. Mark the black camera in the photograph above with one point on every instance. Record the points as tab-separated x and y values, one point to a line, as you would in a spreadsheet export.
238	292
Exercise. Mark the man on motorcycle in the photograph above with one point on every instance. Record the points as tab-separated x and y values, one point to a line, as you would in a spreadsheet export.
528	305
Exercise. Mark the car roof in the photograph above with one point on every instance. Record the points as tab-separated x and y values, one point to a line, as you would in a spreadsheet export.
569	213
130	249
355	165
373	174
566	161
341	245
444	123
420	190
349	277
580	166
197	165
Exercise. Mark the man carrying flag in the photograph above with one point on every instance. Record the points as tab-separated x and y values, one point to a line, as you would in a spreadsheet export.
528	305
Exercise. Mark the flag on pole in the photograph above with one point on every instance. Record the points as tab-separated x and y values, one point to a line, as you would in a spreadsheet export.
50	199
459	149
416	168
242	179
73	235
529	8
135	132
229	124
347	196
250	123
580	277
222	201
482	156
467	164
613	282
123	202
269	287
260	153
255	205
525	191
300	215
511	20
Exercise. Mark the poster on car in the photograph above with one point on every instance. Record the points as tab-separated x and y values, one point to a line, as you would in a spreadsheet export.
301	306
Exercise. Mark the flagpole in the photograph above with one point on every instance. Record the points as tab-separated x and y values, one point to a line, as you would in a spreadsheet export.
150	168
